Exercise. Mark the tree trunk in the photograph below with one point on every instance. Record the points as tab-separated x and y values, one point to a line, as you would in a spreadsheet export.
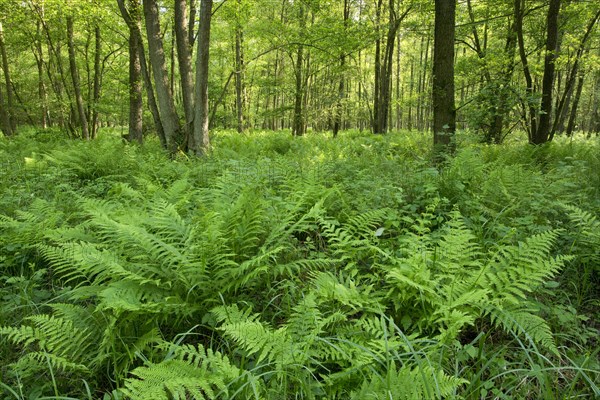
4	120
399	92
184	58
240	101
9	108
58	84
573	115
542	135
341	86
531	125
97	81
135	88
594	122
444	112
409	117
563	103
83	122
298	127
166	104
201	138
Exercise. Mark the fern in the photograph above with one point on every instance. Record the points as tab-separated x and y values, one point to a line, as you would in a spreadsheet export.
189	373
65	341
409	383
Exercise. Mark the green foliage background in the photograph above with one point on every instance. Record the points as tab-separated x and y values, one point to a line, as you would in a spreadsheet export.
308	268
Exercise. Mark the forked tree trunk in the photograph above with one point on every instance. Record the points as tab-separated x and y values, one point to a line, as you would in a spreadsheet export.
168	116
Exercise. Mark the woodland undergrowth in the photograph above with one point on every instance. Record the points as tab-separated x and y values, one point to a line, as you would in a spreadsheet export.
307	268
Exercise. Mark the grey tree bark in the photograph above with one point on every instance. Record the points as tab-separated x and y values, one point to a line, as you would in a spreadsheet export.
184	59
83	122
298	125
201	138
168	115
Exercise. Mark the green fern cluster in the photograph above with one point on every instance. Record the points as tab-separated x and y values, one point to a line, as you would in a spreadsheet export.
324	269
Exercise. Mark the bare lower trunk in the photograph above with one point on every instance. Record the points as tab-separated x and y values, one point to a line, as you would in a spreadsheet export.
201	138
573	115
39	60
531	122
240	100
9	108
166	104
83	122
97	82
135	92
298	126
184	58
563	103
542	135
444	113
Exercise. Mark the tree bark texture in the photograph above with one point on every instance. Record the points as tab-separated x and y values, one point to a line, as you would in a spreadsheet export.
9	107
201	138
166	104
83	122
444	112
542	135
184	59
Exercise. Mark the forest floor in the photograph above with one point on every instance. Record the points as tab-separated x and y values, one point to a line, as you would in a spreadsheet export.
299	268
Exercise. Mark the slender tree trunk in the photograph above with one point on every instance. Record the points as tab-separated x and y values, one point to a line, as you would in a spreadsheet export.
594	121
83	122
166	104
240	103
341	86
562	105
184	58
377	85
201	138
97	81
4	120
298	120
573	114
132	16
9	109
383	72
531	126
58	84
410	95
502	106
399	92
444	112
542	135
135	89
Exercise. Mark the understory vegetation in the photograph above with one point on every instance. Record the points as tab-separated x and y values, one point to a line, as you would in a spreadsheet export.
298	268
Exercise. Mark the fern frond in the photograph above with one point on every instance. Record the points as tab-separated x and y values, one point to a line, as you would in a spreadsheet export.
409	384
190	372
521	321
